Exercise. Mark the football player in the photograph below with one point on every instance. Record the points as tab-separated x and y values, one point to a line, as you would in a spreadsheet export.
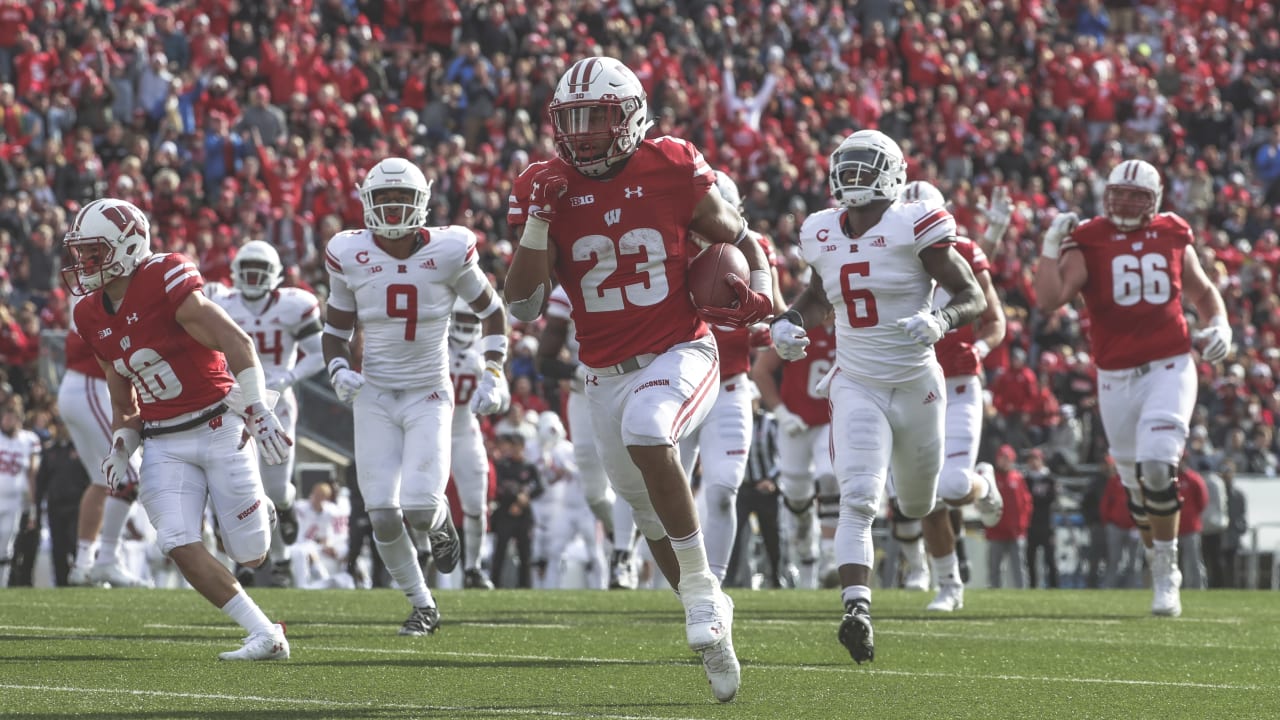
571	516
284	323
185	383
876	261
470	459
960	353
611	215
401	280
19	463
85	406
1133	266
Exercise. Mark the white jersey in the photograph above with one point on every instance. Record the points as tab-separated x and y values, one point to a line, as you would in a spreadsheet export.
466	363
558	307
873	282
15	464
403	305
275	323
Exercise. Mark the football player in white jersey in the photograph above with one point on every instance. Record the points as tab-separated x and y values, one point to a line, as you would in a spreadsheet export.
557	339
876	261
281	321
400	280
19	462
571	517
470	459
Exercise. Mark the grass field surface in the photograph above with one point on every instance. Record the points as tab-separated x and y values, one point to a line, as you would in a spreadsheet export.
515	654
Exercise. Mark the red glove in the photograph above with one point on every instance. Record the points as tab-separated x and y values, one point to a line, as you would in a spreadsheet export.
549	185
752	306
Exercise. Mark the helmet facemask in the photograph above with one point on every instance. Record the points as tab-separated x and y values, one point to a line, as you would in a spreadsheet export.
107	240
464	329
862	175
1129	207
394	211
594	135
256	278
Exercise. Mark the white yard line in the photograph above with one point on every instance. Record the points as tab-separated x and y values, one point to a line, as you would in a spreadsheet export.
43	628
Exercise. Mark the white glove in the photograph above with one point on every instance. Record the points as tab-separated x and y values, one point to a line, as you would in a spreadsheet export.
789	339
116	465
822	388
789	422
1214	341
492	394
346	382
1062	226
999	213
282	383
261	423
925	328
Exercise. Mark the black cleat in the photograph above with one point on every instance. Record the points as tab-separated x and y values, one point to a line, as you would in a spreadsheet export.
476	580
422	621
288	520
856	633
445	546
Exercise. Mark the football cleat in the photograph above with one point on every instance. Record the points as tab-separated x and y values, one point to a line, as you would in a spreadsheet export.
445	546
917	579
246	576
949	599
991	506
288	521
422	621
707	620
270	645
114	575
80	577
720	662
622	572
1166	581
476	579
856	633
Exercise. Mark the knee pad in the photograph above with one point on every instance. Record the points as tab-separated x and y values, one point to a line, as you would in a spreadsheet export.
907	530
800	507
955	483
422	519
1137	508
248	549
387	524
1159	488
797	489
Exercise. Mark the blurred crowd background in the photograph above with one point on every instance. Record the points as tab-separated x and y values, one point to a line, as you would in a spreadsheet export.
238	120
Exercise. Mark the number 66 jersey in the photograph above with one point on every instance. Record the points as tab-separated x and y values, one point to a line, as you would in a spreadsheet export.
875	280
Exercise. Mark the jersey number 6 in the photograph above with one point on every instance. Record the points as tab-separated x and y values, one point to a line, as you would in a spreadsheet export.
860	302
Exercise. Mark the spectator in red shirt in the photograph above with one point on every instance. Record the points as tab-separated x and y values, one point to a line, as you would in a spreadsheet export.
1016	391
1007	540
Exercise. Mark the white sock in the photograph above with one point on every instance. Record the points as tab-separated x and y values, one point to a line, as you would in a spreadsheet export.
246	613
913	552
946	569
855	592
115	513
1167	546
695	574
624	526
85	552
472	539
401	559
720	523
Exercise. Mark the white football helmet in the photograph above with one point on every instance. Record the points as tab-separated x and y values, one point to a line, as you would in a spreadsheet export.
923	192
550	430
109	239
256	269
1125	210
728	190
395	220
600	114
464	324
868	166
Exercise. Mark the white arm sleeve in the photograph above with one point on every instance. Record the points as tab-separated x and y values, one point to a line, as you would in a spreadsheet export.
340	295
471	283
312	361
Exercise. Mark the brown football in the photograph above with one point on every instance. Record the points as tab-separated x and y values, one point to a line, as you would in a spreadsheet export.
707	286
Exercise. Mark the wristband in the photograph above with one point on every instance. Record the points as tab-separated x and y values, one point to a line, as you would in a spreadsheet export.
791	316
983	349
495	304
946	316
494	367
534	236
762	282
253	385
336	364
494	343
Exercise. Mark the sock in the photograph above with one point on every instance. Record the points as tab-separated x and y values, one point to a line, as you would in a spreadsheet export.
246	613
946	569
85	551
721	526
1165	546
695	575
624	526
115	513
472	539
913	551
855	592
401	560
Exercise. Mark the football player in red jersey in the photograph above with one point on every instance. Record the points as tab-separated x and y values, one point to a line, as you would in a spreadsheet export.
611	216
185	381
1133	267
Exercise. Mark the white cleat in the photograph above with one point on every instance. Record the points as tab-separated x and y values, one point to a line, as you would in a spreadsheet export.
1166	580
116	576
81	577
950	598
707	620
720	661
916	579
990	507
262	646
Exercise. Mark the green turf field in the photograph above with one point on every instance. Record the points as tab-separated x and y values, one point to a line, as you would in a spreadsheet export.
509	654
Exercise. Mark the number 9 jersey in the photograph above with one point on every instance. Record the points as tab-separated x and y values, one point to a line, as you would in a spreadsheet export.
171	371
1134	289
622	250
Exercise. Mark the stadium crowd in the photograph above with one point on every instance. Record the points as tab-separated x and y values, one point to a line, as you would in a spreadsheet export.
230	122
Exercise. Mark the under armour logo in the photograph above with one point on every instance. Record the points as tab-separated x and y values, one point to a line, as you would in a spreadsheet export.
534	190
133	318
613	217
637	191
1152	234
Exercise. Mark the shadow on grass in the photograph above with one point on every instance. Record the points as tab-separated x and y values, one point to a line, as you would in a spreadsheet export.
486	662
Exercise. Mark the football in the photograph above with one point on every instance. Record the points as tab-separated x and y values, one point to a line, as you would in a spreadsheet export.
707	287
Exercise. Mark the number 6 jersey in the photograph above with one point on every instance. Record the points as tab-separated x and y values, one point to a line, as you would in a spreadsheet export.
874	281
171	371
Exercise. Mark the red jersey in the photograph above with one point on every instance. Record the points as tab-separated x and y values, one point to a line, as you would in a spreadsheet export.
1134	290
956	352
171	371
800	376
80	358
622	249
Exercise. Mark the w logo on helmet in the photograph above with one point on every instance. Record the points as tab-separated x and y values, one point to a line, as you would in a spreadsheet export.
582	73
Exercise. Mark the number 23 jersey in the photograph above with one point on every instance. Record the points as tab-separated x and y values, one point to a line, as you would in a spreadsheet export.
874	281
1134	290
143	341
404	305
622	249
